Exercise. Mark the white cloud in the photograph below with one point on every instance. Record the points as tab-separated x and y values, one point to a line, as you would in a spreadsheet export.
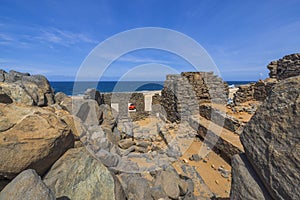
48	35
6	37
134	59
62	37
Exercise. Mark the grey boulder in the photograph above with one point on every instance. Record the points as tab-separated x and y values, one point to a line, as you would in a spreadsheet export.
27	185
271	140
77	175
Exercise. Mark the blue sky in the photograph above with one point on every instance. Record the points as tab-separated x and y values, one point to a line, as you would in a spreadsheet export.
54	37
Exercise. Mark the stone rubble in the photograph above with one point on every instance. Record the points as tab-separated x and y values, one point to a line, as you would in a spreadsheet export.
130	155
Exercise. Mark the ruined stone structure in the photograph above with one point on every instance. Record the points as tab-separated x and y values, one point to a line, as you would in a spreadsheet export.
244	93
253	92
286	67
119	102
281	69
183	93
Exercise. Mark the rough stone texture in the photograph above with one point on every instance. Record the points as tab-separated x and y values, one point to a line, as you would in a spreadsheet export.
281	69
94	94
196	184
259	92
123	99
243	94
156	99
182	93
27	185
171	183
106	116
223	147
158	193
87	110
135	186
106	98
2	77
23	88
15	92
208	86
67	104
75	124
34	137
77	175
286	67
126	143
59	97
245	182
139	100
271	140
219	117
254	92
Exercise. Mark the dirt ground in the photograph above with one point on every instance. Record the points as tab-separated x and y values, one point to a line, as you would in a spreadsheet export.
208	169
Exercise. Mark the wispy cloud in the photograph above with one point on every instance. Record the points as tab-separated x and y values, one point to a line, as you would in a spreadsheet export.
62	37
47	35
129	58
6	37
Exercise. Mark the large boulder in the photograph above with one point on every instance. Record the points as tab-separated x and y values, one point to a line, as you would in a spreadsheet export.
26	89
87	110
27	185
30	137
271	140
16	93
77	175
245	182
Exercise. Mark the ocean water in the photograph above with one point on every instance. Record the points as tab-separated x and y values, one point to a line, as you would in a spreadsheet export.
114	86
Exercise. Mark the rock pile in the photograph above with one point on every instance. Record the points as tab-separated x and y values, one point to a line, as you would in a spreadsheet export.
77	175
23	88
270	140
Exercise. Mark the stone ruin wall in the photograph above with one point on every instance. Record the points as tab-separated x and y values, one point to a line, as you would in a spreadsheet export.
183	93
207	87
119	98
254	91
286	67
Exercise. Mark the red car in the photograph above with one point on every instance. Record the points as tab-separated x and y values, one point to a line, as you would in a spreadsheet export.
132	107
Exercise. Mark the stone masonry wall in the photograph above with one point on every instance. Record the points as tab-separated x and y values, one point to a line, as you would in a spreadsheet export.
286	67
254	92
122	99
243	94
183	93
